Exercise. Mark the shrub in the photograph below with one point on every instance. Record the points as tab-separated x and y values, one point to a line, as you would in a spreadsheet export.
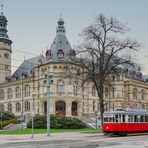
7	118
7	115
57	122
39	121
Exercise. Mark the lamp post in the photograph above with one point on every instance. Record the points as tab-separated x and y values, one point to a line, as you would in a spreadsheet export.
33	114
49	82
22	112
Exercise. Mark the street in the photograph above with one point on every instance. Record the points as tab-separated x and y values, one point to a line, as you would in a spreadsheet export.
73	140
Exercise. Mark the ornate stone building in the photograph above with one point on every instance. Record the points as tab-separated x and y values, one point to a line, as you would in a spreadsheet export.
24	91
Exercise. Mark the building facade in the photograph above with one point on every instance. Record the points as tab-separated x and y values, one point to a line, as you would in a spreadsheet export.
25	91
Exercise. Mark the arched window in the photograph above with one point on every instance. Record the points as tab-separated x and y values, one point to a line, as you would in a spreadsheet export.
18	92
27	90
10	93
60	86
142	94
9	107
60	54
94	91
75	88
27	106
74	108
135	93
2	95
2	108
18	107
106	93
60	108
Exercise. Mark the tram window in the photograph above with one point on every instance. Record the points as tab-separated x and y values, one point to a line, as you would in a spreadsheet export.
119	117
141	118
113	119
130	118
116	118
135	118
123	118
146	118
108	119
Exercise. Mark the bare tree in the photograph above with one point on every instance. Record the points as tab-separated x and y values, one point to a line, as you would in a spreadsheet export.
104	50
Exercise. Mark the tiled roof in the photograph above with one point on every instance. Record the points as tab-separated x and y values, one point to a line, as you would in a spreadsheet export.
27	66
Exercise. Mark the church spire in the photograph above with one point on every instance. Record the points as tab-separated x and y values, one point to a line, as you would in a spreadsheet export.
60	29
2	8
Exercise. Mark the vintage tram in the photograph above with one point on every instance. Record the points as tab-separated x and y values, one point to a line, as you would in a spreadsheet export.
124	121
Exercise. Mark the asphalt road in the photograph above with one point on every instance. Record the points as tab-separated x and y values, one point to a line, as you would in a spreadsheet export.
75	141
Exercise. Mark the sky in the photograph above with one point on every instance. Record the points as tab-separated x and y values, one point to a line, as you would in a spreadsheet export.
32	23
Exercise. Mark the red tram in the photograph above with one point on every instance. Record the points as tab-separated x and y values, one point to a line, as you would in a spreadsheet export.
122	122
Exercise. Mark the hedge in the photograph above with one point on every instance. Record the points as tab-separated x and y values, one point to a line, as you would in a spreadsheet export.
57	122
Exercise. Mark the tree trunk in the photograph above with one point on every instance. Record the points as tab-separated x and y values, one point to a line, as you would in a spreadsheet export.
101	104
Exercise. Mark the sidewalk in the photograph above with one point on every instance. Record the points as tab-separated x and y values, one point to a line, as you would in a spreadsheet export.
40	137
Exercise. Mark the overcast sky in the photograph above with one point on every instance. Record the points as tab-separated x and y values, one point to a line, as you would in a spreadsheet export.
32	23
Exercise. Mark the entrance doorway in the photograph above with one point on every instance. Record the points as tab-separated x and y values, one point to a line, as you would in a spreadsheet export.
61	108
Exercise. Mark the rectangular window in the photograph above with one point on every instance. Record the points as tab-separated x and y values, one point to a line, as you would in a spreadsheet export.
130	118
123	118
146	118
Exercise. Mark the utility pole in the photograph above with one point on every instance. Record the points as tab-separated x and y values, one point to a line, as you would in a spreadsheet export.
49	82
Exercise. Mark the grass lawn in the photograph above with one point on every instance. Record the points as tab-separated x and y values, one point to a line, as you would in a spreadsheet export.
39	131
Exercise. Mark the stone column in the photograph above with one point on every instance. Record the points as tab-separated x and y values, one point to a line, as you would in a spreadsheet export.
79	108
68	108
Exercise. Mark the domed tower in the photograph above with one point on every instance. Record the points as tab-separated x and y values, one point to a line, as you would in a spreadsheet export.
60	49
5	49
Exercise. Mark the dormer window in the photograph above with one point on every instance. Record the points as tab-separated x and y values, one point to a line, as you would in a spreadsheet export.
72	54
48	54
60	54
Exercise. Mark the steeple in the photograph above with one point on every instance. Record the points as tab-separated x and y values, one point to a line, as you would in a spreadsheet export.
5	48
2	8
3	28
60	29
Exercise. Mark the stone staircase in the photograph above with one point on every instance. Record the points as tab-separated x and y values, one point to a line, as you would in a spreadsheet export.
13	126
91	120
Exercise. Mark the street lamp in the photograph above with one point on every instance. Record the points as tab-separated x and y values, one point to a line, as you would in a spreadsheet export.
49	82
33	114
